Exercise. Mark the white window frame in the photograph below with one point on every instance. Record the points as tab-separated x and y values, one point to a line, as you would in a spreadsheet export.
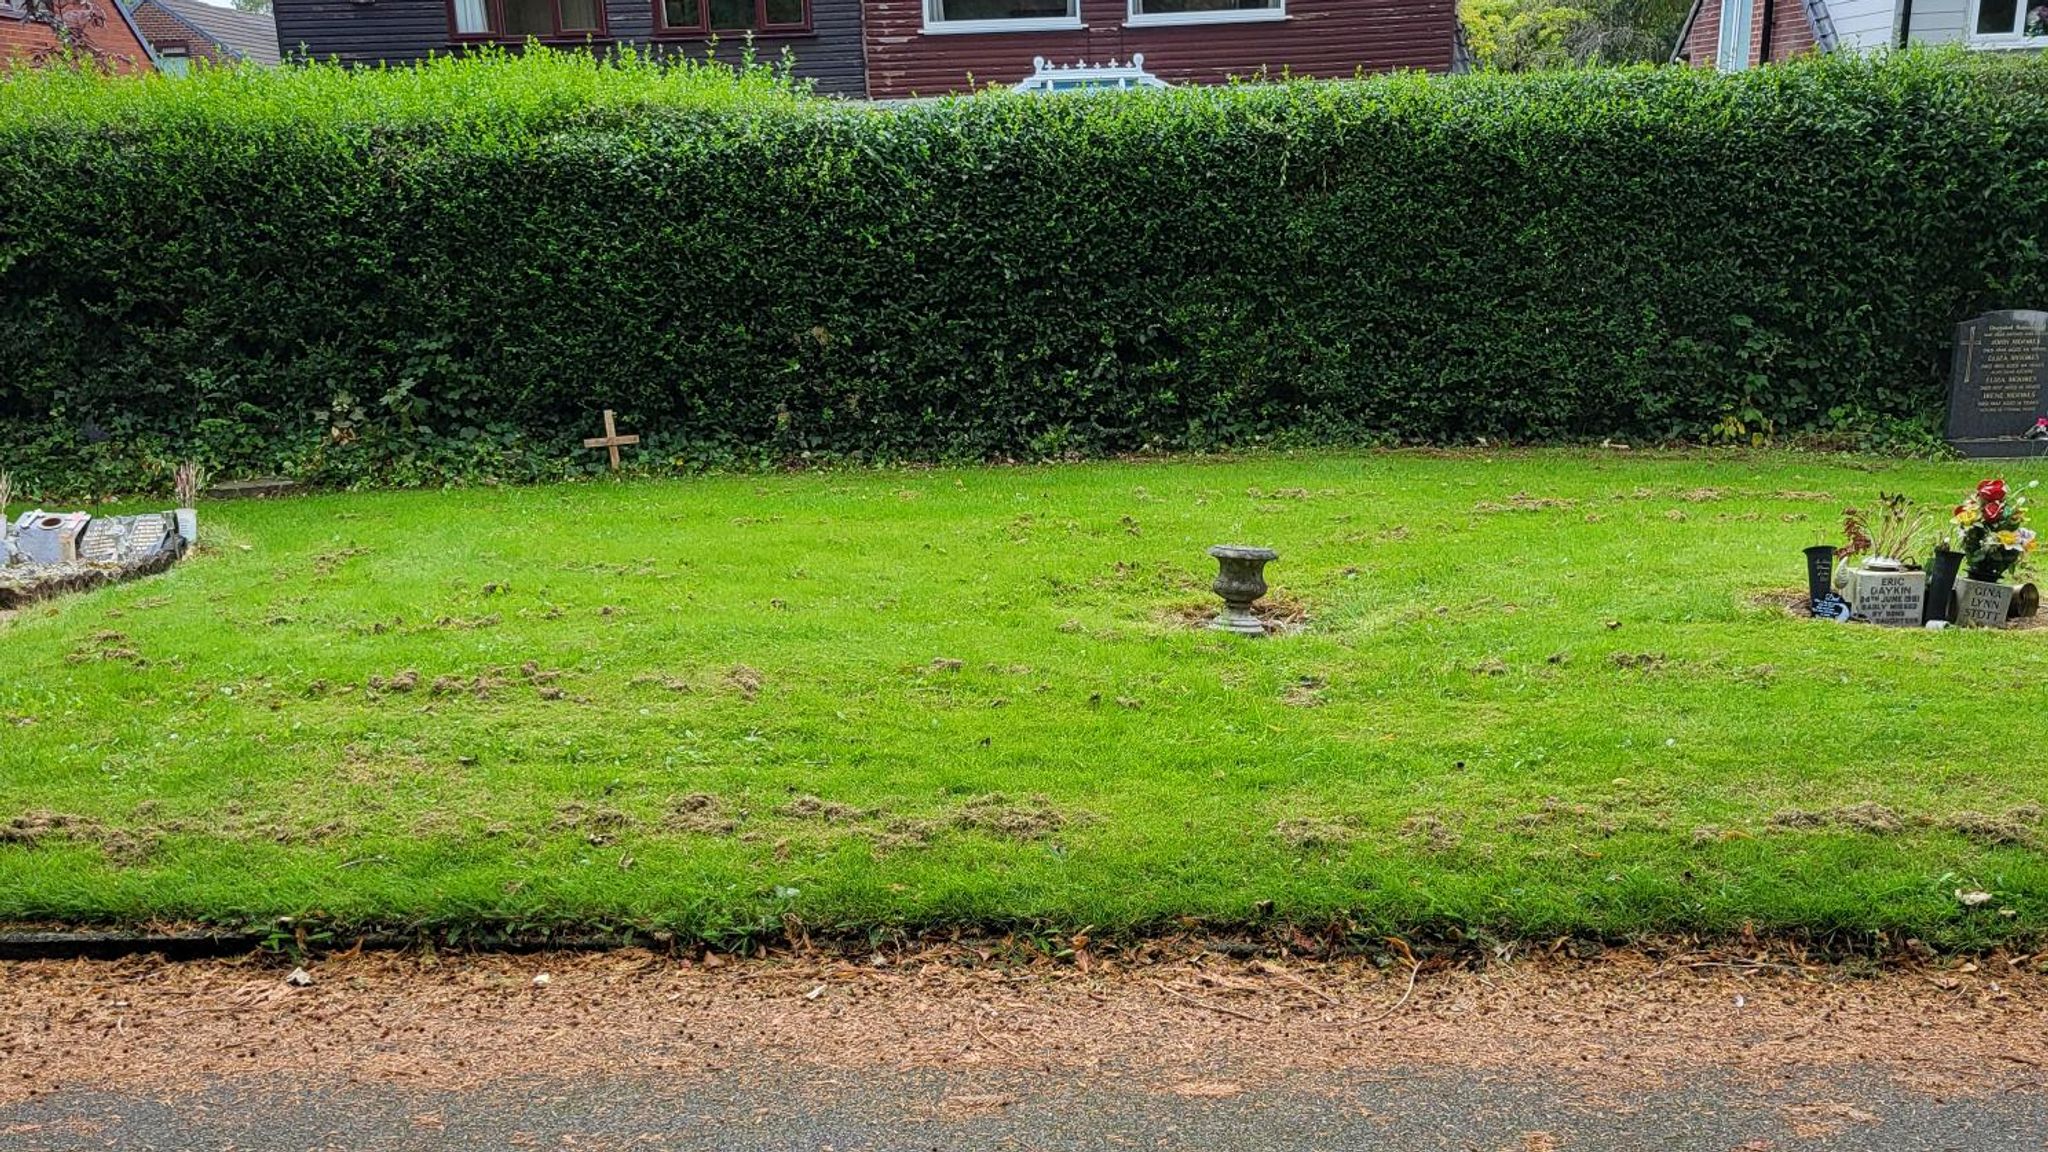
1993	40
935	25
1737	61
1136	19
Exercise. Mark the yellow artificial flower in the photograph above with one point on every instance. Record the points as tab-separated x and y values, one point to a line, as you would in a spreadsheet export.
2009	539
1967	516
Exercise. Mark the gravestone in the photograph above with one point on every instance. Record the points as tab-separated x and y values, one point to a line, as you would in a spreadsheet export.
1894	599
119	539
1998	384
101	543
147	536
1982	605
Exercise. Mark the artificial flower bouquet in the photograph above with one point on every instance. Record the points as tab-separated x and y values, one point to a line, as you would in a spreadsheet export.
1992	532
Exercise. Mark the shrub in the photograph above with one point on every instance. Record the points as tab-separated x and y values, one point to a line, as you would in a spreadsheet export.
418	275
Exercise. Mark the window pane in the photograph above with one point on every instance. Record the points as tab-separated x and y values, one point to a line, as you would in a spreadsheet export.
732	13
1733	54
579	15
1003	9
680	14
529	18
785	11
470	18
1997	17
2037	20
1175	7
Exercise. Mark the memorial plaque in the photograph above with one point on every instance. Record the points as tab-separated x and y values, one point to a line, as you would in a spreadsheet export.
1982	605
1998	384
120	539
101	543
147	537
1894	599
1831	606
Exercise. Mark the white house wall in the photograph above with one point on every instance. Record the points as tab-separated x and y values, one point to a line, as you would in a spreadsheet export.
1940	21
1868	25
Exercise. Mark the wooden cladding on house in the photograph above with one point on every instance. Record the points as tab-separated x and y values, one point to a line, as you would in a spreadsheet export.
928	47
890	49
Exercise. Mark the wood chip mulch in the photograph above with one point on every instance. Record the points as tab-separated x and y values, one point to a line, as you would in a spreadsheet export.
465	1023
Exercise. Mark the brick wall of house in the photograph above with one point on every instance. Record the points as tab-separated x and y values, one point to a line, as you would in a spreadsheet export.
21	40
167	31
1791	33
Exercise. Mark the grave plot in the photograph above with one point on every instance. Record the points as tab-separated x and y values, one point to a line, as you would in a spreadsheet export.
45	554
1896	569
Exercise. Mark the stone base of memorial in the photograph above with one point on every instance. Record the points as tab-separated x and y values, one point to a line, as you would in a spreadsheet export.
1888	596
2001	448
1980	604
54	554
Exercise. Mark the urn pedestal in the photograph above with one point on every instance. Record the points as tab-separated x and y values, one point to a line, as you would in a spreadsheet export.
1240	581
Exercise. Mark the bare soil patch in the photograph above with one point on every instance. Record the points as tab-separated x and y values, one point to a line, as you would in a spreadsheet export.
1169	1010
1280	611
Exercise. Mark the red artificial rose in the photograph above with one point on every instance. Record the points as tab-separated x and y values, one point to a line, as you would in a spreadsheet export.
1993	510
1992	490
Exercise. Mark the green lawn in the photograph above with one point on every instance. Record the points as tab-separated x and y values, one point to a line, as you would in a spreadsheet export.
1533	696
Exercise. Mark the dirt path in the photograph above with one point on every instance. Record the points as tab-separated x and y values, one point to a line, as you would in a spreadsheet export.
1821	1057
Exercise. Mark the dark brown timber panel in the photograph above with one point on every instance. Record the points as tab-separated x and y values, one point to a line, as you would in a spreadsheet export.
397	31
1321	38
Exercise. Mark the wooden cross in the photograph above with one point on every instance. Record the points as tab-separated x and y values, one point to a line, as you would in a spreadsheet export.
611	439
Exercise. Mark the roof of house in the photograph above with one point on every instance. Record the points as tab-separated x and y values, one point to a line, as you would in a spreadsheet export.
248	36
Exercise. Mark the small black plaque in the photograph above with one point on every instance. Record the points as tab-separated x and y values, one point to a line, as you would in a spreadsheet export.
1998	384
1831	607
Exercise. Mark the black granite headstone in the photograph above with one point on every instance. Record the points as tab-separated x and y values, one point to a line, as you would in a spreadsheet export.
1998	384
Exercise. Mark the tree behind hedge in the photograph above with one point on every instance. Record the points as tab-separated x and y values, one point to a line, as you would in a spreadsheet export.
418	275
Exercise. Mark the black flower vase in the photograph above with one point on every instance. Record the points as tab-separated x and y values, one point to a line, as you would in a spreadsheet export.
1820	571
1941	586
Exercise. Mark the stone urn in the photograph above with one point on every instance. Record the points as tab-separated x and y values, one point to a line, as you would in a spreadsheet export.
1240	580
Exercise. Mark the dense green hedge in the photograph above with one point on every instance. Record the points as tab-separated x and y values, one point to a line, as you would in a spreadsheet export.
402	277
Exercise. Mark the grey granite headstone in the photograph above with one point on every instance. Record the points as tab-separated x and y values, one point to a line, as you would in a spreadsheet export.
147	537
1998	384
120	539
101	543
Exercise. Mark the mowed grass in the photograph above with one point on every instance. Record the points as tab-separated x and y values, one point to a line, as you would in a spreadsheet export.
1533	696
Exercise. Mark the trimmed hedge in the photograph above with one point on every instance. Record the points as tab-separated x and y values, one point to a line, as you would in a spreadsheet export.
445	273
